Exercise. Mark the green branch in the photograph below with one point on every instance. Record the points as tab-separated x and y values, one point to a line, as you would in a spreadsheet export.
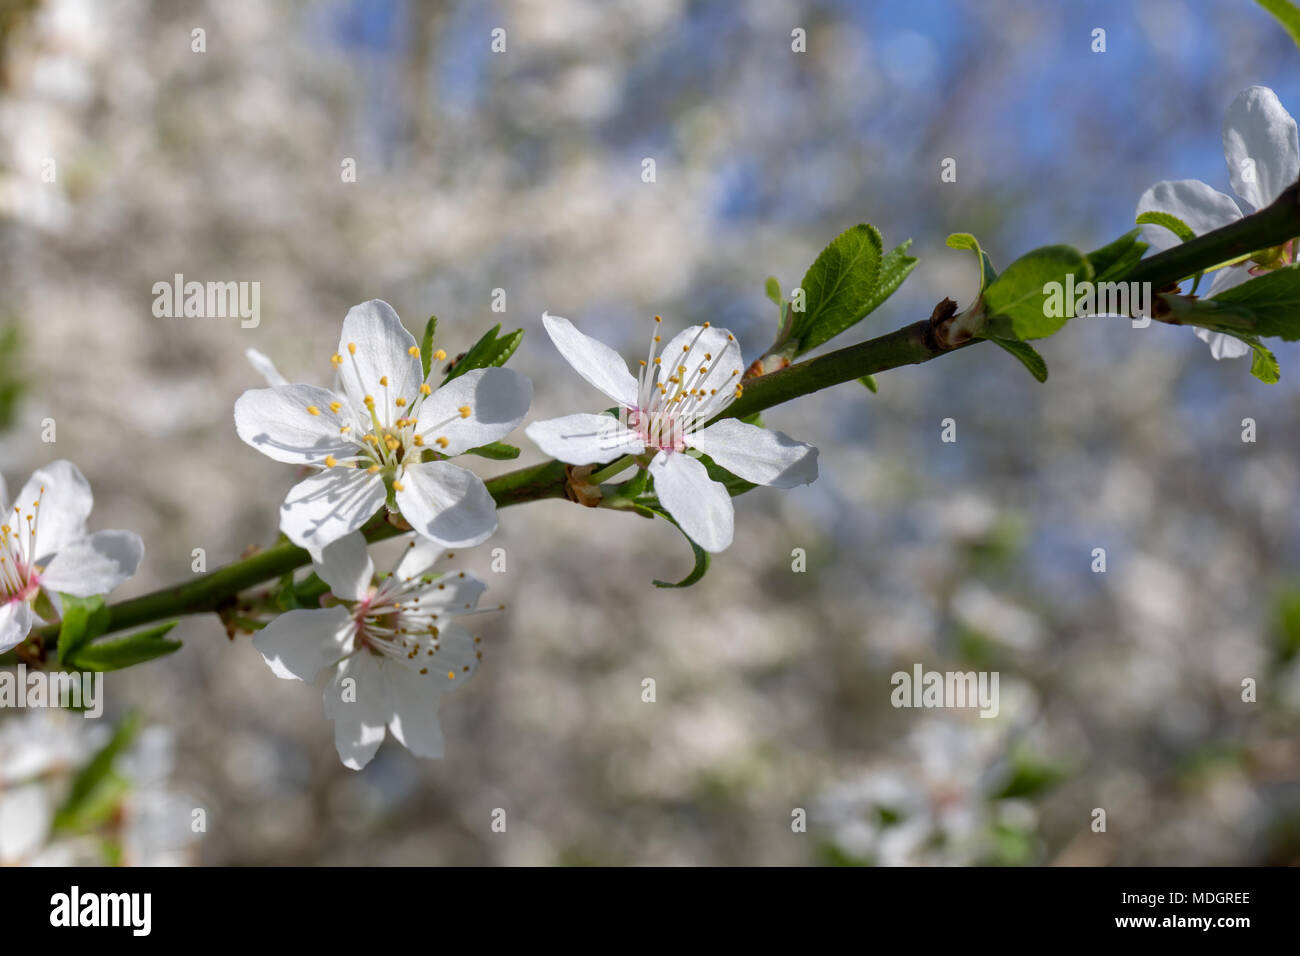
916	343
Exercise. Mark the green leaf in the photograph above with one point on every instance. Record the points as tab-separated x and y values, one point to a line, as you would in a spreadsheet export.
497	451
894	268
1286	14
84	619
1169	221
1263	364
1114	260
1027	355
1284	634
1272	300
870	382
839	286
1017	301
487	352
1028	777
964	240
734	485
701	556
426	345
773	290
126	651
89	785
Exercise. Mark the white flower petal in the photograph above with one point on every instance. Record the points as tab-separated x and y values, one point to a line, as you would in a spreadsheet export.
299	644
715	349
325	506
94	565
447	504
4	496
497	399
698	503
414	706
1201	207
263	365
346	566
1223	346
757	454
419	555
15	624
276	422
65	500
454	593
1260	146
584	439
356	699
593	360
383	350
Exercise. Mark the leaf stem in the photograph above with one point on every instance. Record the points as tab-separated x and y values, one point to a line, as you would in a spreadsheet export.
611	470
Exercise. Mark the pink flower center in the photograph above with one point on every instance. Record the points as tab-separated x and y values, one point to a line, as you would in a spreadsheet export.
656	429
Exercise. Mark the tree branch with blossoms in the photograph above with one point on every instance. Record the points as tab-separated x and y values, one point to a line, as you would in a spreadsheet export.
379	449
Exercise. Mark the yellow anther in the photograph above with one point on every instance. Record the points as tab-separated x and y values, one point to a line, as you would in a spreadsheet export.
313	410
658	319
330	461
442	442
336	359
464	411
730	337
352	348
373	469
642	361
659	360
413	350
425	389
398	486
686	348
344	429
440	355
370	401
401	403
708	325
418	441
335	406
451	675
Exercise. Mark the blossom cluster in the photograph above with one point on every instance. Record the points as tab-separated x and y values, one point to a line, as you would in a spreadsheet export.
383	441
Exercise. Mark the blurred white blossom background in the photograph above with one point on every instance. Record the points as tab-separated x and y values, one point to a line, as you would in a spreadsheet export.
522	171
